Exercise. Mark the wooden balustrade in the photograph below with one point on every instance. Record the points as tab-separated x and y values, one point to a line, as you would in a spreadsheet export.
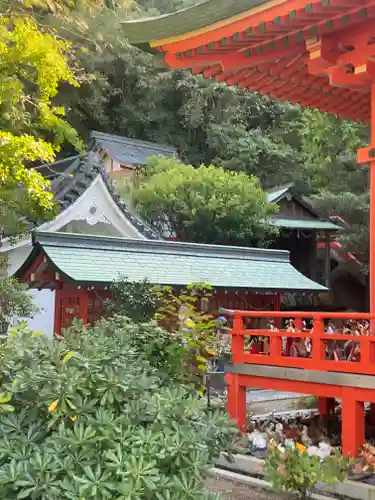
340	351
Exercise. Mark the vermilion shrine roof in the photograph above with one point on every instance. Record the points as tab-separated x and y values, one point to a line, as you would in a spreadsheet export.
90	260
287	49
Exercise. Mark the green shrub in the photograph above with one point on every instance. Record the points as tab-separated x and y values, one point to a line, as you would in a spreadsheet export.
88	417
134	299
162	350
184	313
293	470
192	330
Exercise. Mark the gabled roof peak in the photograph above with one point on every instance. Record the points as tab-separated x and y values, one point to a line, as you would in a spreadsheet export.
71	177
276	193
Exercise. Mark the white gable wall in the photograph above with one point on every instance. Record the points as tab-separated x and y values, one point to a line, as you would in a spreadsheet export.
44	300
95	205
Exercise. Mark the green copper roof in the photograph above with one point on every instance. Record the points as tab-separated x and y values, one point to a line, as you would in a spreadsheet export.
93	259
211	11
305	224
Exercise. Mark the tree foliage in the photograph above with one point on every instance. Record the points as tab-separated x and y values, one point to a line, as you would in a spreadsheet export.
184	314
210	123
354	210
203	205
128	92
328	151
185	324
15	301
34	63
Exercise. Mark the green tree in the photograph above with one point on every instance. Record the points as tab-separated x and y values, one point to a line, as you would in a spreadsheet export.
128	92
328	148
34	63
336	184
203	205
354	210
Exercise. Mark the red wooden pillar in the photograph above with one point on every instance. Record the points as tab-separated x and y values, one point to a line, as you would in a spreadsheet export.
236	400
372	414
367	155
238	340
57	318
83	305
325	406
353	423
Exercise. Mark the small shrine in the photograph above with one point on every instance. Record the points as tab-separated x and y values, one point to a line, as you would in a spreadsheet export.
80	269
301	230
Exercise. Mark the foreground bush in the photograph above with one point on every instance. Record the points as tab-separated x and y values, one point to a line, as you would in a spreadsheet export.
295	470
88	417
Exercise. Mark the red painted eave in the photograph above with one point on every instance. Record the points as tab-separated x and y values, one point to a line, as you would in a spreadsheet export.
269	51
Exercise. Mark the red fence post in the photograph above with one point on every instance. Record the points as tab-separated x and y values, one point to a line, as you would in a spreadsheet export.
367	353
298	324
236	400
318	346
238	340
276	345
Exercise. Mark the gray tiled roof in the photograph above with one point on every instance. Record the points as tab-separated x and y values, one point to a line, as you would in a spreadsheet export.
72	176
97	259
277	193
129	151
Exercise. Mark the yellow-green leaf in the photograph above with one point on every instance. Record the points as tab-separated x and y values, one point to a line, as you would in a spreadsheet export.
68	355
190	323
201	359
203	368
5	397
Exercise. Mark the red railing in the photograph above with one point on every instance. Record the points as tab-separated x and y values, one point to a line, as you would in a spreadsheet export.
338	342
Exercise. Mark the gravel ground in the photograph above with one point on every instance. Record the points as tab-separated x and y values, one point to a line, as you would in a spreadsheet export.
235	491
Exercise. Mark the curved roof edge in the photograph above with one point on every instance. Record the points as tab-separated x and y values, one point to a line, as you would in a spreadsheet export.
101	260
207	13
71	240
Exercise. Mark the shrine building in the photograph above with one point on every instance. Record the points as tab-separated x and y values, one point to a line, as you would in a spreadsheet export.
87	201
81	268
319	54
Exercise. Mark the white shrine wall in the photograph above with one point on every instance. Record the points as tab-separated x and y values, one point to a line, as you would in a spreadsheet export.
44	300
